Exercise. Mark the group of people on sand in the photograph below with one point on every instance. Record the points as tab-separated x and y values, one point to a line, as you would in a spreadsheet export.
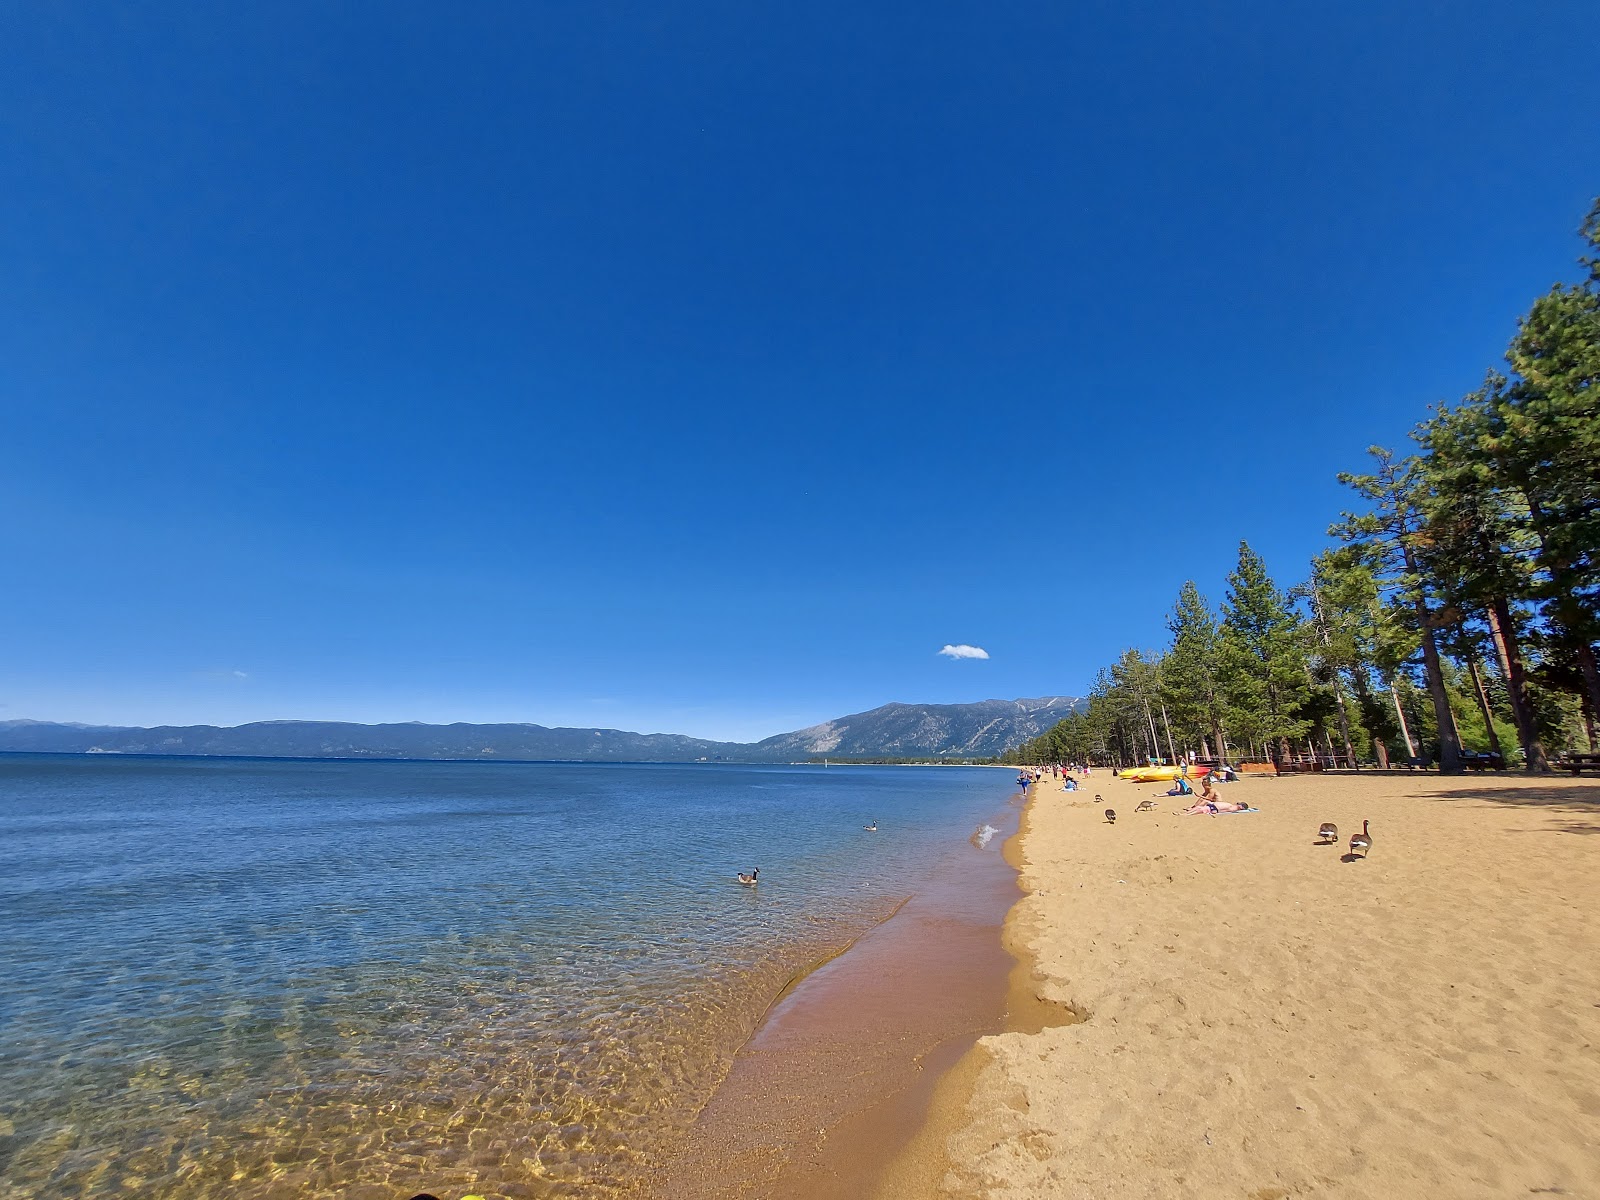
1205	801
1066	772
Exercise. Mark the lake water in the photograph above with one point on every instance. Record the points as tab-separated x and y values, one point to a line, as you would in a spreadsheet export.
318	979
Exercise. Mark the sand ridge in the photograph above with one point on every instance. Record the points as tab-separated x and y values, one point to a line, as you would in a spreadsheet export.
1266	1018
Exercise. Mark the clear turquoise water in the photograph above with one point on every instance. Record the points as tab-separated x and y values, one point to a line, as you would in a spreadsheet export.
263	979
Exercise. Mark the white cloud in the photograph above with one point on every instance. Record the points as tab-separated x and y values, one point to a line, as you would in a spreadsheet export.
241	675
964	651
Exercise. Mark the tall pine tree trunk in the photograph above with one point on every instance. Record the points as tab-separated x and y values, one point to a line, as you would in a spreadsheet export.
1344	720
1504	634
1449	740
1481	693
1338	683
1405	730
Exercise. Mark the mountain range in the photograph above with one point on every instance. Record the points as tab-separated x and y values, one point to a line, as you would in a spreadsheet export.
977	730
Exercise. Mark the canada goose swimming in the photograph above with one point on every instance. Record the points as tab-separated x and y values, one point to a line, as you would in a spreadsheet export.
1361	841
873	828
750	879
1329	833
1111	816
1145	806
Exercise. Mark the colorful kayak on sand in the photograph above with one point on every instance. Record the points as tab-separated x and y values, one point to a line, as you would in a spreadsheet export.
1163	774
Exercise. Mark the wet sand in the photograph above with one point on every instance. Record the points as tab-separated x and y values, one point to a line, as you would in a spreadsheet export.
1264	1017
839	1077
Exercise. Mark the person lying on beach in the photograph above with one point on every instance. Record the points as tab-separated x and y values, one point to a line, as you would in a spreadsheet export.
1208	802
1214	806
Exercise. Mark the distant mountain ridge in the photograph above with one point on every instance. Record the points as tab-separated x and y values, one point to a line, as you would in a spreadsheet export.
911	730
975	730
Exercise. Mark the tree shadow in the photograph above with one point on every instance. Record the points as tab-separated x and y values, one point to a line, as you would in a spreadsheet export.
1533	795
1578	827
1581	801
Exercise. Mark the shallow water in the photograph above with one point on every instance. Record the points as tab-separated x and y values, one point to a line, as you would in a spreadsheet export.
268	979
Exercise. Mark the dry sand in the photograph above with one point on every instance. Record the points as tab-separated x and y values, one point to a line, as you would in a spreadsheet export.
1262	1018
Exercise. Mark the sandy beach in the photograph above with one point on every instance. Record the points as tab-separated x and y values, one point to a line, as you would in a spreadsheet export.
1240	1012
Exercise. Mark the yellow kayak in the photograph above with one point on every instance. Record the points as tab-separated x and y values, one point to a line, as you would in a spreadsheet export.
1162	774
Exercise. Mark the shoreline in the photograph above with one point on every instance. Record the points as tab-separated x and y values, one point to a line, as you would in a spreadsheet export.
567	997
1254	1015
841	1069
921	1166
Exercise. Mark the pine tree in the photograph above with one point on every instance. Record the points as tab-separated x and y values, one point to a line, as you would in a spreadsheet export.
1476	546
1335	656
1545	440
1190	687
1134	680
1262	664
1387	536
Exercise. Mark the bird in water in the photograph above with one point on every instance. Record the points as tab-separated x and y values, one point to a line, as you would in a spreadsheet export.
1145	806
750	879
873	828
1361	841
1111	816
1329	833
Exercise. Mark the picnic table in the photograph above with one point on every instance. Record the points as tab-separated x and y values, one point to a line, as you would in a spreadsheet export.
1475	760
1575	762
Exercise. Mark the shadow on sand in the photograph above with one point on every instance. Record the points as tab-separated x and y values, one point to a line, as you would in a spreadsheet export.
1582	801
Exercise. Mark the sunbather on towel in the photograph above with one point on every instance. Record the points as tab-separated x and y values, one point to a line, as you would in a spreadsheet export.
1206	801
1214	806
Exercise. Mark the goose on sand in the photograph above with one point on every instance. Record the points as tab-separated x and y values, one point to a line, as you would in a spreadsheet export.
1145	806
1361	841
1329	833
750	879
1111	816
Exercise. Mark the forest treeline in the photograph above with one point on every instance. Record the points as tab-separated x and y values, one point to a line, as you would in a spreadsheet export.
1454	614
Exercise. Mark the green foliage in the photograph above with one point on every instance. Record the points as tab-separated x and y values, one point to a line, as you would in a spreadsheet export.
1473	538
1388	536
1189	677
1262	664
1479	554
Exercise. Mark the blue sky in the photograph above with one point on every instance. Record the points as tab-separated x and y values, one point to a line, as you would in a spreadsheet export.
706	368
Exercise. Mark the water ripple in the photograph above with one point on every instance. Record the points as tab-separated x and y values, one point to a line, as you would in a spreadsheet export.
264	979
